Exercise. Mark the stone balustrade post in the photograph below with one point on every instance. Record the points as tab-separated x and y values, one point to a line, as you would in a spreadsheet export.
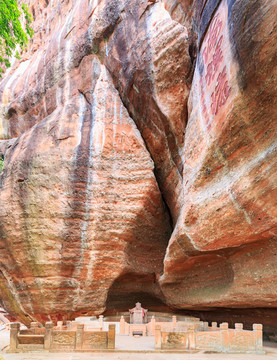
48	334
214	325
59	325
174	322
122	325
224	329
68	325
101	321
74	325
153	324
127	328
191	337
238	326
34	326
205	325
158	337
111	336
79	336
15	327
258	330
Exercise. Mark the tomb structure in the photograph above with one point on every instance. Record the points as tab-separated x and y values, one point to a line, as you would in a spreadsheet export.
138	320
138	315
169	332
190	333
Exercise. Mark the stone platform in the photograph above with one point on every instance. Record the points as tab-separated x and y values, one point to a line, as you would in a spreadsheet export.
270	348
130	348
160	334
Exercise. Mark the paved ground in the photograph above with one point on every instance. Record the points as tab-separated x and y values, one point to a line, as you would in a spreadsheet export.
144	356
133	344
4	339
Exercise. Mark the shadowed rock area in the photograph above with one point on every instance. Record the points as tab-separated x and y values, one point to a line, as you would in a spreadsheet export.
139	143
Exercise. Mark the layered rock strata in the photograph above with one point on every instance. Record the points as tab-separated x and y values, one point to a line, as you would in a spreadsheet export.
222	250
139	140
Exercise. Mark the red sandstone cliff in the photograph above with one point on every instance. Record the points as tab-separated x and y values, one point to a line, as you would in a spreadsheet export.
140	158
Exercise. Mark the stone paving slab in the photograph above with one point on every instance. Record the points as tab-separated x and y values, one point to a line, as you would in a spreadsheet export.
127	356
270	355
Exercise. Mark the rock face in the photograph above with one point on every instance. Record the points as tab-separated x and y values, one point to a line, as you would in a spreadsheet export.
228	217
139	140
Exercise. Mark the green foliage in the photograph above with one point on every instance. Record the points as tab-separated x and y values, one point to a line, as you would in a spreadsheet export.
1	168
15	29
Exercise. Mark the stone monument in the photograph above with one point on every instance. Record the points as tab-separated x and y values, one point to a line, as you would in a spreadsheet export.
138	315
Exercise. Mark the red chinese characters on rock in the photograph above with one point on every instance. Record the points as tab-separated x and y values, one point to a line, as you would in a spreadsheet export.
217	56
221	92
205	111
213	51
213	66
213	34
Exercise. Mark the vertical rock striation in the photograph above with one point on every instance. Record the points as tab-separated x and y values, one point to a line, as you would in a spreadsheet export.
80	205
140	158
228	217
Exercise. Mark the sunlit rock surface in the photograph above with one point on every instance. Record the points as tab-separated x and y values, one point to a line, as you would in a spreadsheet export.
139	140
223	248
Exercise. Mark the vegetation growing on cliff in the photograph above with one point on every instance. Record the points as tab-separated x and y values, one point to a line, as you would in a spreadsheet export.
15	30
1	164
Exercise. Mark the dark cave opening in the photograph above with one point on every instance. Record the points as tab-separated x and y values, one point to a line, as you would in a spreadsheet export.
131	288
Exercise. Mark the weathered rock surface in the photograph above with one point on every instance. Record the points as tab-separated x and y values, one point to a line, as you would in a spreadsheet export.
229	167
140	159
80	205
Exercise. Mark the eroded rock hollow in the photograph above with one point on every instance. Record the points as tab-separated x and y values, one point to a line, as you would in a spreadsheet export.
139	143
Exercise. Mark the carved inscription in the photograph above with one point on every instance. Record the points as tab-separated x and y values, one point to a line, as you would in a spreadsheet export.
214	73
213	66
221	92
138	317
212	36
